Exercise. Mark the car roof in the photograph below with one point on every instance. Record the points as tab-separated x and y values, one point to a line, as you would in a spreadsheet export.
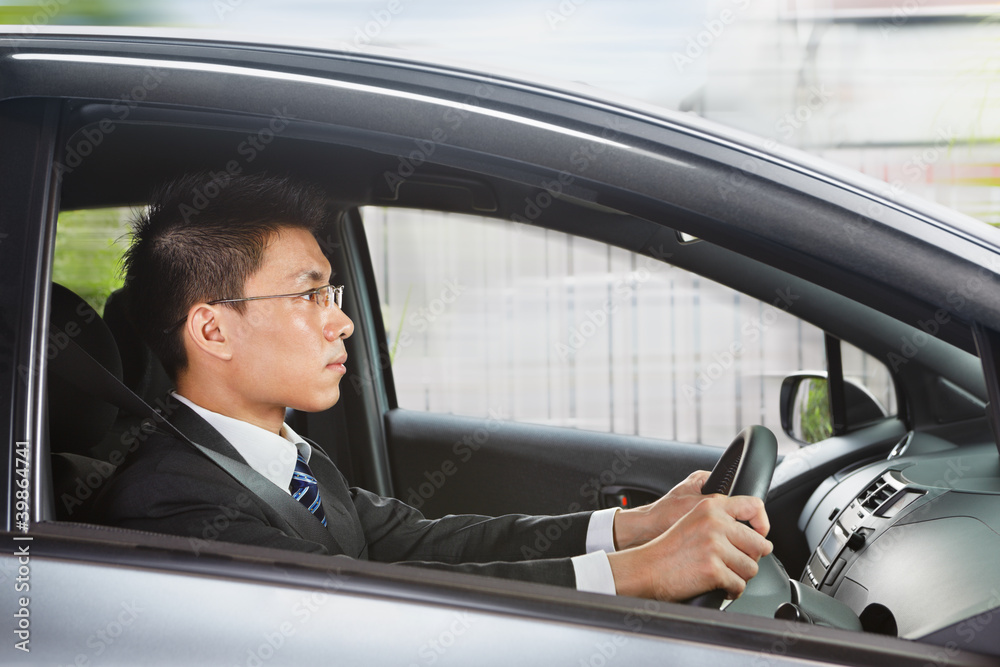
582	93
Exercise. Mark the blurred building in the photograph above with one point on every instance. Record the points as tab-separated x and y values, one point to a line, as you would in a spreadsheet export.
904	91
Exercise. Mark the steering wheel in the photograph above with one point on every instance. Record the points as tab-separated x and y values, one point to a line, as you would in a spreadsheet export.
744	469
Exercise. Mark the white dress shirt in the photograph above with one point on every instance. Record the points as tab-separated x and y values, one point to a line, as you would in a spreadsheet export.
273	456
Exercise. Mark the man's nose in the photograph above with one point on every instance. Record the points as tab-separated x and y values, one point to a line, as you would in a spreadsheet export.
338	325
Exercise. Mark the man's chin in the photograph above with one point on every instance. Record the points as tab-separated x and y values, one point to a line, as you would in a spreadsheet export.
316	405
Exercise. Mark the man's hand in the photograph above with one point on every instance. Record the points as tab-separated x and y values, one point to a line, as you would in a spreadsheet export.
640	525
708	548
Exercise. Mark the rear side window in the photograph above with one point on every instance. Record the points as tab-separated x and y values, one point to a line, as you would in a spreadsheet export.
89	244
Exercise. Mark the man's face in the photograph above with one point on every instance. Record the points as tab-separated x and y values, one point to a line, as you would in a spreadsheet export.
289	352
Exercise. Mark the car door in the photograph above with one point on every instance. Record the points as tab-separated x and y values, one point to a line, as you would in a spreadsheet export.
533	370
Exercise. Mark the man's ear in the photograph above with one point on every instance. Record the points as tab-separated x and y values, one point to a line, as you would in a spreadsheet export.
205	329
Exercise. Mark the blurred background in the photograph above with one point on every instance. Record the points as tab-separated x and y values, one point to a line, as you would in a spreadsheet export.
905	91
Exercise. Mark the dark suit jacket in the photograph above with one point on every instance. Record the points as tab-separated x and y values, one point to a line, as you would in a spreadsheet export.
167	486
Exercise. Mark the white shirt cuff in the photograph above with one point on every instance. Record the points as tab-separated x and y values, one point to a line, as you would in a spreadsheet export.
593	573
601	531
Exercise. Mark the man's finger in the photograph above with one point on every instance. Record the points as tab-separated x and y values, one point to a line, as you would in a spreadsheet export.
750	509
697	479
744	569
749	542
731	580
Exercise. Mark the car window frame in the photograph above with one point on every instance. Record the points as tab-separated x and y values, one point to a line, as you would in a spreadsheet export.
28	128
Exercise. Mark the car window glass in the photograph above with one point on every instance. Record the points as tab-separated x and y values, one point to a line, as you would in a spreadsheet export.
490	317
89	244
871	374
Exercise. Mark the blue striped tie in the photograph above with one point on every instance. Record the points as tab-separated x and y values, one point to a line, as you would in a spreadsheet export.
305	490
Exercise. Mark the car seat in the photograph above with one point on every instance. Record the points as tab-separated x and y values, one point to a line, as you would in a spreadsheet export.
142	372
78	421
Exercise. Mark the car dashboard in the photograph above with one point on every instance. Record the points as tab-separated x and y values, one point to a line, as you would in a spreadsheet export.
910	543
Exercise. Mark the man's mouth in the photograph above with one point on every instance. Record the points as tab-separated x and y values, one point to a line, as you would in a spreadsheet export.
338	364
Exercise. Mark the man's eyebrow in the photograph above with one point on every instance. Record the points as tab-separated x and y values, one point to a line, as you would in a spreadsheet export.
312	276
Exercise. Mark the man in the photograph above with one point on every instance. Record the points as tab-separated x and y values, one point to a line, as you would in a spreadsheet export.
229	287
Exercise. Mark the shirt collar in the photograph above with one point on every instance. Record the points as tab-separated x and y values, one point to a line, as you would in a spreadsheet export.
270	454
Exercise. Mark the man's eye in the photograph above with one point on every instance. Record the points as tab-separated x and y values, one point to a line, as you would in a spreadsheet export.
311	296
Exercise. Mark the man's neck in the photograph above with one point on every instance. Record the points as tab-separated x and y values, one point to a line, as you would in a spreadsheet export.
215	398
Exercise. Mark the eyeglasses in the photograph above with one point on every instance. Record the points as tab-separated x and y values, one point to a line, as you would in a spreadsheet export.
325	297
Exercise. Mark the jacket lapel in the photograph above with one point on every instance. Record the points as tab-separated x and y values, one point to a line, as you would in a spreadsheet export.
341	515
200	431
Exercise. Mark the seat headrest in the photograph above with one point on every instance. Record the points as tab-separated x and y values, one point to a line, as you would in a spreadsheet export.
143	373
78	420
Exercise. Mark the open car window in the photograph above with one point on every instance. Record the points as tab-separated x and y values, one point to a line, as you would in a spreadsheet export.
488	317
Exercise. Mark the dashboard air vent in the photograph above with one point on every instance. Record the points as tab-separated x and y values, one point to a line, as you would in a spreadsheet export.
877	494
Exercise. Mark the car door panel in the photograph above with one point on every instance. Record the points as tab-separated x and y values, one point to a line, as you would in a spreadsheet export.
449	464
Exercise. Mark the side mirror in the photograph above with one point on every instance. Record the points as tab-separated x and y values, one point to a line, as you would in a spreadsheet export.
805	406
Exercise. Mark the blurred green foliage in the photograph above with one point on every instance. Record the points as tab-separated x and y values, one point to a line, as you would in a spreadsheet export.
89	245
76	12
816	422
